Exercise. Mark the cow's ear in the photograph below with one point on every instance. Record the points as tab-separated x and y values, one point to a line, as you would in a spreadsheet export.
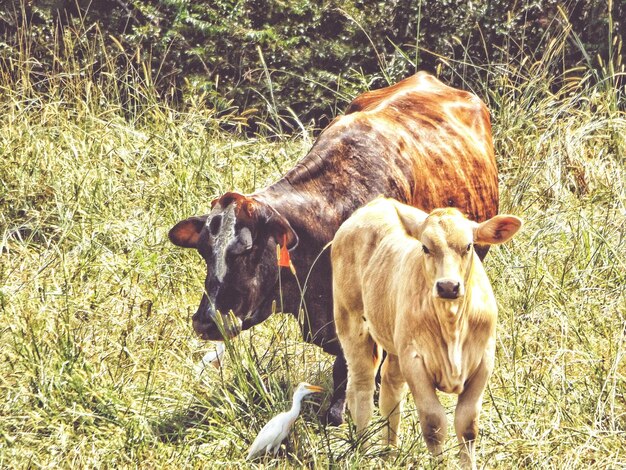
187	232
274	223
412	219
498	229
281	230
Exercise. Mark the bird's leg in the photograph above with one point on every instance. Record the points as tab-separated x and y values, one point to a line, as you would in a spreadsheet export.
276	449
288	447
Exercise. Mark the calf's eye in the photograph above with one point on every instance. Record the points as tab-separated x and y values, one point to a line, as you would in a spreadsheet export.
469	247
426	250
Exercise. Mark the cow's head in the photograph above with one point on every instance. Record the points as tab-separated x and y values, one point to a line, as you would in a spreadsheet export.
238	242
448	239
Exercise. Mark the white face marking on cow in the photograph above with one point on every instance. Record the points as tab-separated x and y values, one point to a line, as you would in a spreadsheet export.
224	237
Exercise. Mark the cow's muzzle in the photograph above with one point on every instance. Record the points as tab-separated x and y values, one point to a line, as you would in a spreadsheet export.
211	325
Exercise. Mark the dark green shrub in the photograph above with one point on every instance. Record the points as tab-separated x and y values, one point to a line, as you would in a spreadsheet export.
312	57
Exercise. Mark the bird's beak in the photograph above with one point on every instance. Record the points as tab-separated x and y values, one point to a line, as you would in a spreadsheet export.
314	388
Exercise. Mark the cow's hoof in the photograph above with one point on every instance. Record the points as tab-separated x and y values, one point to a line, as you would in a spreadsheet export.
334	415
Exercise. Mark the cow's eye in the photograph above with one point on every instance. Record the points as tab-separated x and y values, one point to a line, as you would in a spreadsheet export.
215	225
239	247
468	248
242	244
426	250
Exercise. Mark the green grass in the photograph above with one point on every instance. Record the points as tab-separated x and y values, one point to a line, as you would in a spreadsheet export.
97	355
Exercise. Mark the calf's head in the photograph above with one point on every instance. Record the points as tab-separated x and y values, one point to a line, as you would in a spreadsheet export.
238	242
448	239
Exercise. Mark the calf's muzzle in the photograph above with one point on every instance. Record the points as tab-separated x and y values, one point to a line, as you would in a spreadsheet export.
448	288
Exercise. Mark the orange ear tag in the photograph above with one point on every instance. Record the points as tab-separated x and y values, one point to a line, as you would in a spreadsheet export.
284	260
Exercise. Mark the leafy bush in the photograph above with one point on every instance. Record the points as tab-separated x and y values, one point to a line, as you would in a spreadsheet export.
269	57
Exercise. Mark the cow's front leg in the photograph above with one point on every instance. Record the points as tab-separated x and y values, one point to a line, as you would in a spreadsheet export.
334	415
466	416
431	414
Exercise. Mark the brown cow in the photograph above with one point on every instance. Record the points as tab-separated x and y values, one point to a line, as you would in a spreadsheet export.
418	141
411	283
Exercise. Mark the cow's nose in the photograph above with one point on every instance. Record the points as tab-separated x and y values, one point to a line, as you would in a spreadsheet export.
203	316
448	289
205	312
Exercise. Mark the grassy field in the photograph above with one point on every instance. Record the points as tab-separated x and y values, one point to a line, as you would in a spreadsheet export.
97	355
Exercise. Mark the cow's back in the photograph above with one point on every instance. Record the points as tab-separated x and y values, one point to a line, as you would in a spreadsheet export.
418	141
441	137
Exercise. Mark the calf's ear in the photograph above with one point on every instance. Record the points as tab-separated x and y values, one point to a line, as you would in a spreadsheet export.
187	232
498	229
412	219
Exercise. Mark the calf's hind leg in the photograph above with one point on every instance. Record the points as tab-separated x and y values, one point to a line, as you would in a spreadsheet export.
391	390
363	358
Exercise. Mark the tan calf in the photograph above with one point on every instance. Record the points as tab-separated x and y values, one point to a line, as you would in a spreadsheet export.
411	283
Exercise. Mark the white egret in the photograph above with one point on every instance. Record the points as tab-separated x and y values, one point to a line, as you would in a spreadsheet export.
277	428
213	357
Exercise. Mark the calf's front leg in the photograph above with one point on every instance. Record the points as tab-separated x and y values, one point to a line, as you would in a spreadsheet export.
431	414
466	416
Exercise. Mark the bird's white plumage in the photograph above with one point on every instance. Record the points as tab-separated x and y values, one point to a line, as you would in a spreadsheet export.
213	357
277	428
272	434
